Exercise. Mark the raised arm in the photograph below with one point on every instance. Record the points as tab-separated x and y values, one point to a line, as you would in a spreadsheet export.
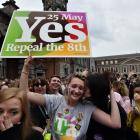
33	97
111	120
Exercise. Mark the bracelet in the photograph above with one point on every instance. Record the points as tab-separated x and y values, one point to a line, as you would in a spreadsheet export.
25	72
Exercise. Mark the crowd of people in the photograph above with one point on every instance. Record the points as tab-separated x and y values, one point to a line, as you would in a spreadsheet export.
86	106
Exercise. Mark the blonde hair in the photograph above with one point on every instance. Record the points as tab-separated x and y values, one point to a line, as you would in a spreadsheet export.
9	93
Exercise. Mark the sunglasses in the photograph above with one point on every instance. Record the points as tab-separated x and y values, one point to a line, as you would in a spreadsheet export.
39	84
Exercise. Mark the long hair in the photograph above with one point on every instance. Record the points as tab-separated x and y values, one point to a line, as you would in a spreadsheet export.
99	89
9	93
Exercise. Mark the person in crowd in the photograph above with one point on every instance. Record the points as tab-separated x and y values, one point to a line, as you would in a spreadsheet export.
38	112
124	78
121	88
39	85
134	115
112	77
85	73
69	115
55	85
15	122
98	93
132	78
4	85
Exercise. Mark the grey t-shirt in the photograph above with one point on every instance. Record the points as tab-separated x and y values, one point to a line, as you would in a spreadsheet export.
69	123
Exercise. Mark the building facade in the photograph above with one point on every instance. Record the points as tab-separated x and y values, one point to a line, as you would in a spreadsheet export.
44	67
122	64
58	66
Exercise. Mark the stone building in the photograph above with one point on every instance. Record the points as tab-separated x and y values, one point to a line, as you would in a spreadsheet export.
119	63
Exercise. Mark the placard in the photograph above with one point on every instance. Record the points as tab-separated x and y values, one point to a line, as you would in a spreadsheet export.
47	34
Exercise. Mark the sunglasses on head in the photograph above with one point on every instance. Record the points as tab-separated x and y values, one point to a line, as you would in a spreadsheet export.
39	84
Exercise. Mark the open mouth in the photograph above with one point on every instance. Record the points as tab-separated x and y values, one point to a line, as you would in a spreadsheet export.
76	95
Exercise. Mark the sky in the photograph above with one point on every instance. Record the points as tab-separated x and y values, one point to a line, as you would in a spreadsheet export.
113	25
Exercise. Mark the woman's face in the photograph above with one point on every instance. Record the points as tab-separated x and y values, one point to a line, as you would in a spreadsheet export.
75	90
11	110
38	88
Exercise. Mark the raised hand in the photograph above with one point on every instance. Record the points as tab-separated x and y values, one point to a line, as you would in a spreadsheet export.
5	123
27	63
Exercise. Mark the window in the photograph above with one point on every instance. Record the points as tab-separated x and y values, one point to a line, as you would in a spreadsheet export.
116	61
116	69
103	70
77	70
65	71
102	63
106	62
124	69
133	67
111	62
